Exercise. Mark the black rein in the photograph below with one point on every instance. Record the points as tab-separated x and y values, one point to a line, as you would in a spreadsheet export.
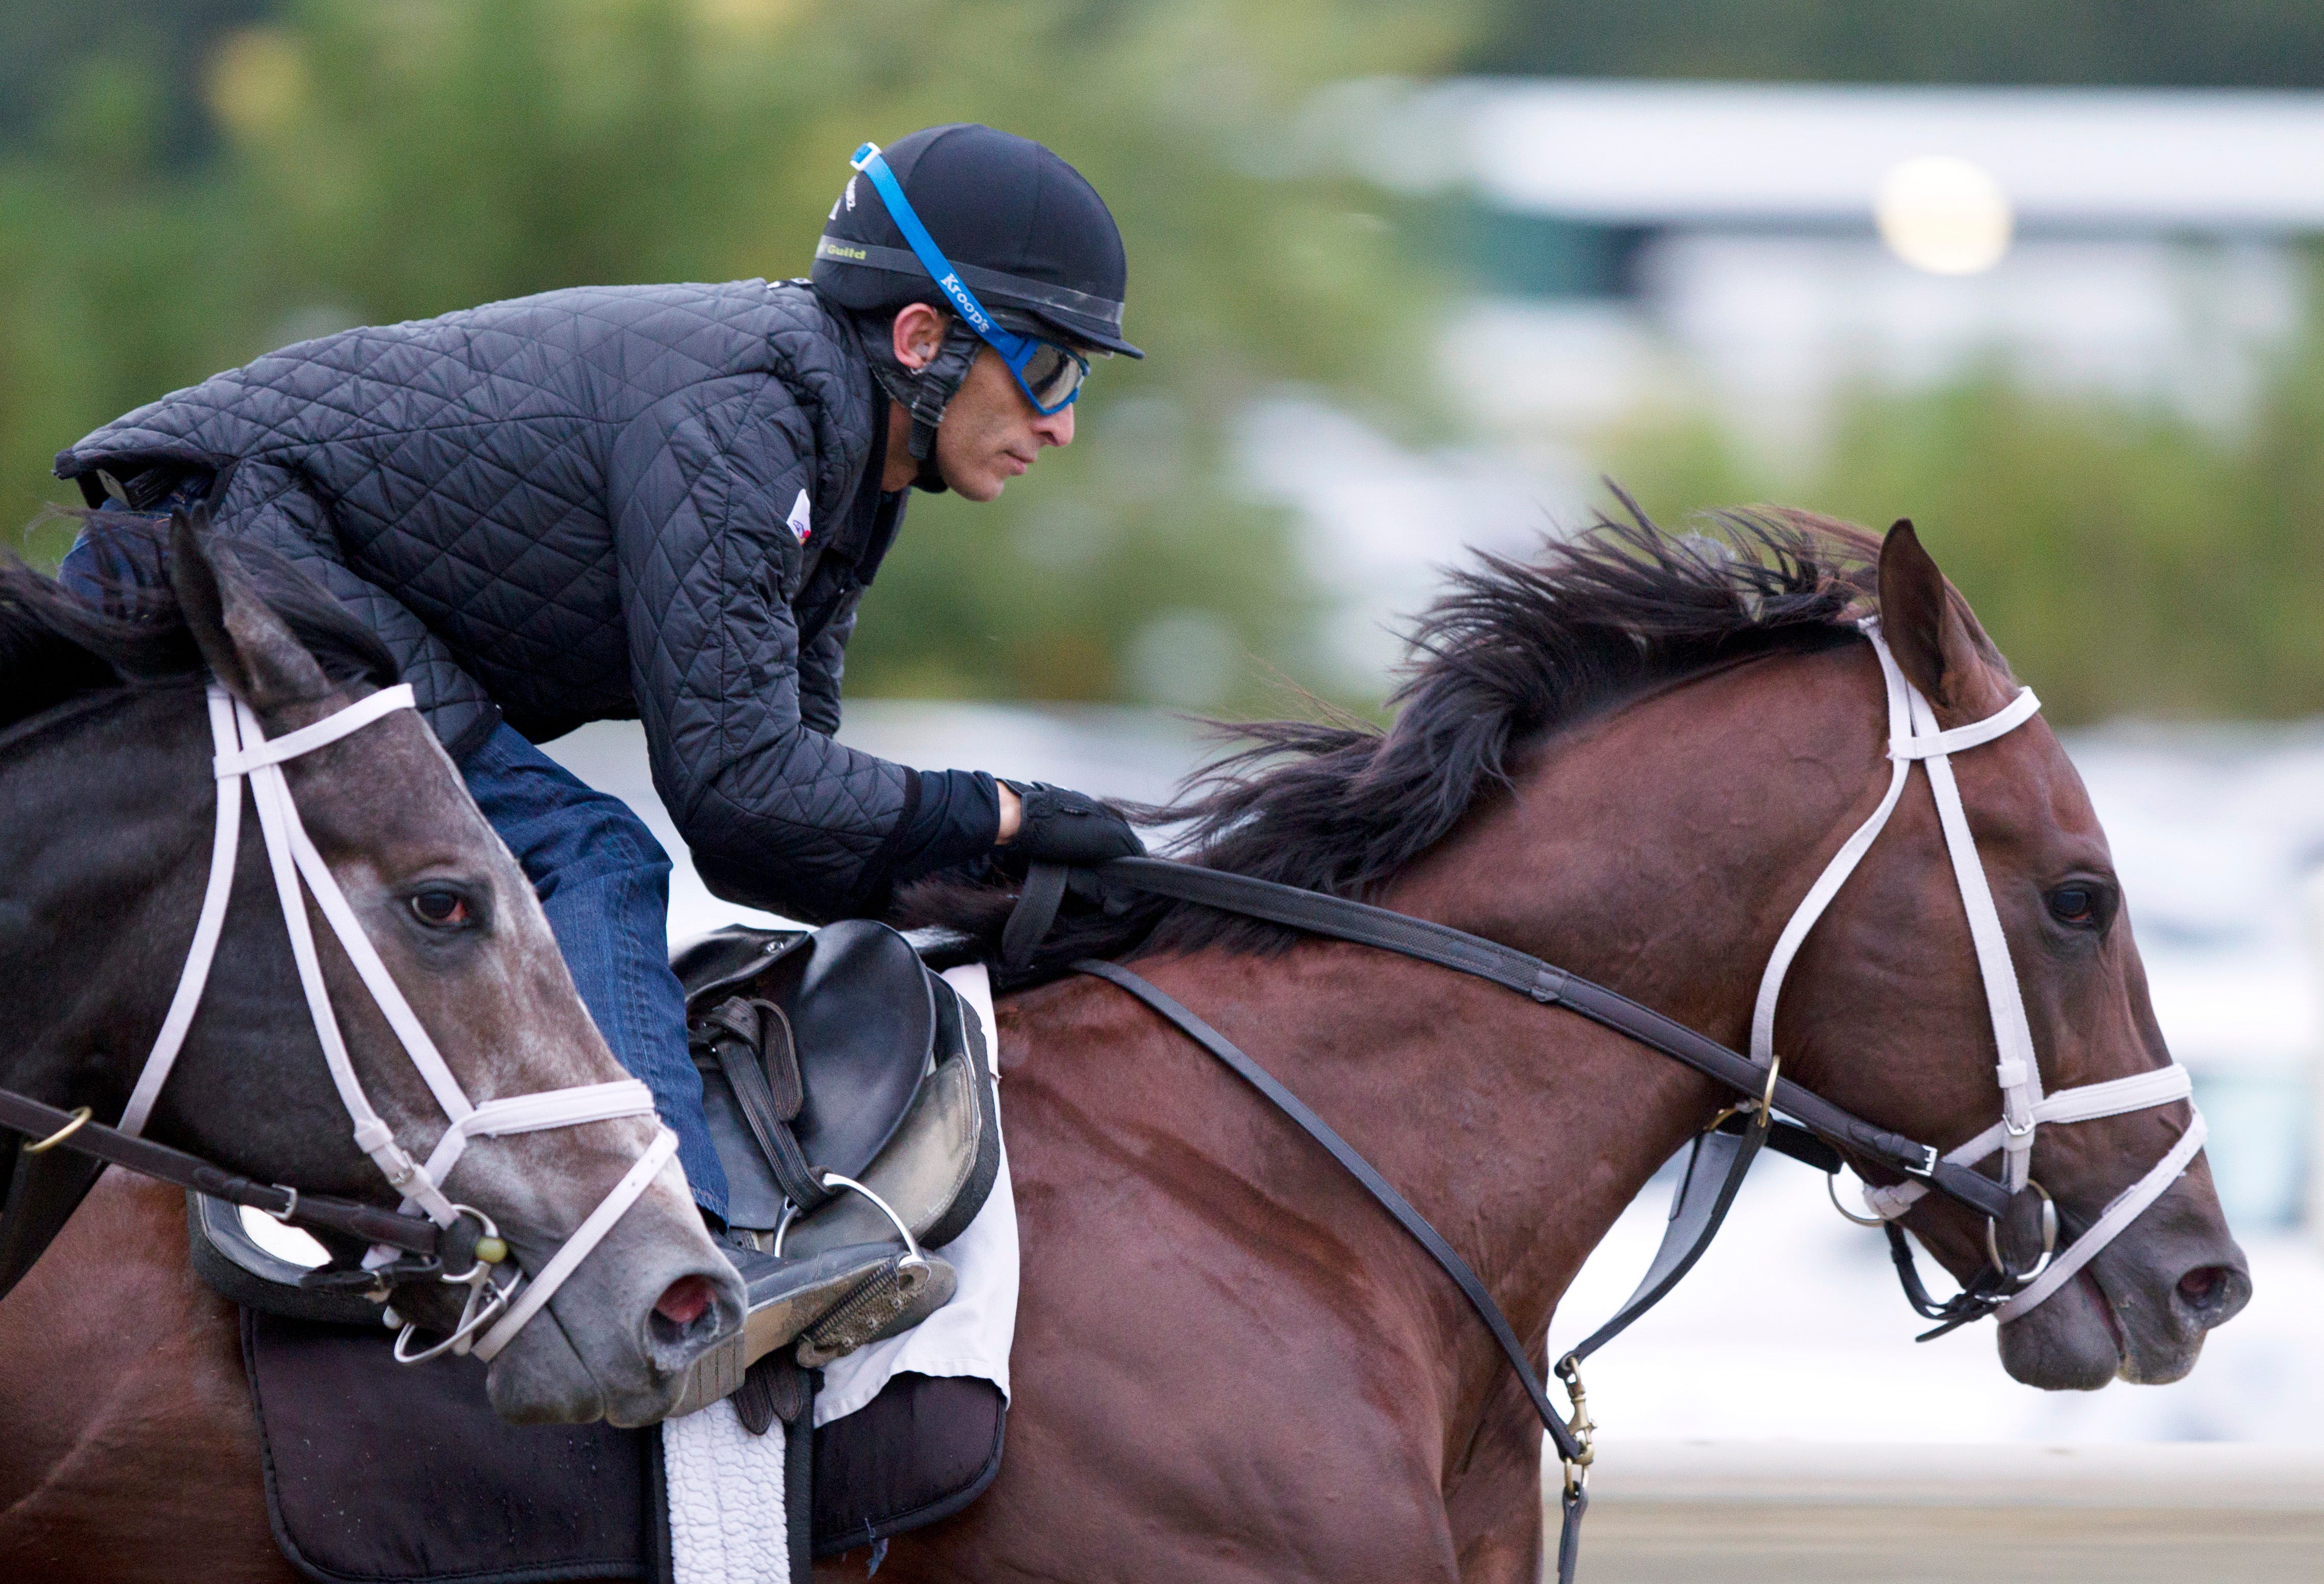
1407	937
72	1131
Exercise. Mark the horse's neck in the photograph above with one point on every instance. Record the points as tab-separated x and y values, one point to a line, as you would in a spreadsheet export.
1659	851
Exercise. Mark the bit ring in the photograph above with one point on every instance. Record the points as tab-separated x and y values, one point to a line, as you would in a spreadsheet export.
79	1120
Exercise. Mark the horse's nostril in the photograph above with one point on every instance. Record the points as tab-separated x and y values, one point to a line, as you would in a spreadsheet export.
688	1297
2207	1289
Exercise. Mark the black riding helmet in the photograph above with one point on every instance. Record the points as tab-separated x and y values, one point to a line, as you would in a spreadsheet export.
1028	234
1031	240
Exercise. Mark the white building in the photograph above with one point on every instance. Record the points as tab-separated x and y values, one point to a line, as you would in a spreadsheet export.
1746	251
1762	243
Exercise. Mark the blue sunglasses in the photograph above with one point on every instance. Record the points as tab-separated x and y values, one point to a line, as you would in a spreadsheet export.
1049	374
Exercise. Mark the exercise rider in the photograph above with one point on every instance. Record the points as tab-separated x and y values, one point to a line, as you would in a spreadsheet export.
665	502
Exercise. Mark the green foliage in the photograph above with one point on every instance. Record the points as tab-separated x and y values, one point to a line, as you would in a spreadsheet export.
2228	43
390	159
2128	560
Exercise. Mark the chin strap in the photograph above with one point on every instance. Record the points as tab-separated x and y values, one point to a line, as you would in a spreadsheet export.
924	392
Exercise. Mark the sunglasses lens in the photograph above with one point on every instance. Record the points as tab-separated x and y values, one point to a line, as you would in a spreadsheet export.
1053	375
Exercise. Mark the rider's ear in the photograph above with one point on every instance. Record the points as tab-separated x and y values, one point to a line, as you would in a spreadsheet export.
1924	625
249	649
919	335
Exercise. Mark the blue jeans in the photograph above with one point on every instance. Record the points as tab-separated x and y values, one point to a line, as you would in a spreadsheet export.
604	883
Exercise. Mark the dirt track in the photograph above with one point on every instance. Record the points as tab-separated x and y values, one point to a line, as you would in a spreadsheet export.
1735	1513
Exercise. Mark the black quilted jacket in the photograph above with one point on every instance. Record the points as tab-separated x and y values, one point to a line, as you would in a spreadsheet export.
611	502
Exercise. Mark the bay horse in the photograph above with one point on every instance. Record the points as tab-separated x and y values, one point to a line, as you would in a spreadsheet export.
113	840
1630	758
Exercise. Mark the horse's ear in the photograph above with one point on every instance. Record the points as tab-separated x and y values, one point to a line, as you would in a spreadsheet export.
1922	622
252	653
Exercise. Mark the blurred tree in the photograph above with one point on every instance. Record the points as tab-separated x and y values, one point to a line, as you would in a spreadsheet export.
2226	43
383	161
2128	560
62	60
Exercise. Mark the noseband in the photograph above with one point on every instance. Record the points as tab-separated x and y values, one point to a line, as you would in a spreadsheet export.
245	753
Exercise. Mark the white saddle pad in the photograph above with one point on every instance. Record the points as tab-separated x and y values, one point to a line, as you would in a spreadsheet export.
726	1485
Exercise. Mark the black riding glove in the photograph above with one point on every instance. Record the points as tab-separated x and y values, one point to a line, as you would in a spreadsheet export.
1066	828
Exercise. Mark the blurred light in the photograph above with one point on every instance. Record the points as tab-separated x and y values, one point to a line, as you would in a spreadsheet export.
255	80
758	19
1943	215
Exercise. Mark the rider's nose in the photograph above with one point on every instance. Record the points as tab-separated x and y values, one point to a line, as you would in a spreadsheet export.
1058	428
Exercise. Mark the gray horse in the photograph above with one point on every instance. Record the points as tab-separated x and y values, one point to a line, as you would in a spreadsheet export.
107	807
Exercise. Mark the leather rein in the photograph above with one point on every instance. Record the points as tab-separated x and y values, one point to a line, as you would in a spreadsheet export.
1723	1153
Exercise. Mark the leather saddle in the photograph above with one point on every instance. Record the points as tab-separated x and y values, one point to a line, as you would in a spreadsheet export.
839	1052
865	1061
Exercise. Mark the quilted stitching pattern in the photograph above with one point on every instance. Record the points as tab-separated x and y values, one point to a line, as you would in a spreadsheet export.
571	507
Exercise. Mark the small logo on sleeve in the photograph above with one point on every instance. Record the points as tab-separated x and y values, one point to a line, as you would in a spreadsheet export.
799	525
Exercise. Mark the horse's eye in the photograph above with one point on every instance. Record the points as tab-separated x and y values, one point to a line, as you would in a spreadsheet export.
441	909
2074	904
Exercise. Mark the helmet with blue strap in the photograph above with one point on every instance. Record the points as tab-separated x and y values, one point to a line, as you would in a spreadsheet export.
997	231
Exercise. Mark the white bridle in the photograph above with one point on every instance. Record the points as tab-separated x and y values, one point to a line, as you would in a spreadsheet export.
1912	735
246	753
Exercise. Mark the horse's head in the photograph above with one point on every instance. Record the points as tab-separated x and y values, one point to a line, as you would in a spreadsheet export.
459	932
1890	1016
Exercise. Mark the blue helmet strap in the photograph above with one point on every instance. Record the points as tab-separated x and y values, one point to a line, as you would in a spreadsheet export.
1015	350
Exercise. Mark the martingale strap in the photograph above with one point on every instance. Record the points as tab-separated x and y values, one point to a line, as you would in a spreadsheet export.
1471	1287
1715	1169
1572	1440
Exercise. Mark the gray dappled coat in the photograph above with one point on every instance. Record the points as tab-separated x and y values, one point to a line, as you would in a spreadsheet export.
586	505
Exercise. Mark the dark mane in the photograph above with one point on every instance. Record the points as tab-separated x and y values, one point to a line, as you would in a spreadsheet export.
1514	650
56	647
